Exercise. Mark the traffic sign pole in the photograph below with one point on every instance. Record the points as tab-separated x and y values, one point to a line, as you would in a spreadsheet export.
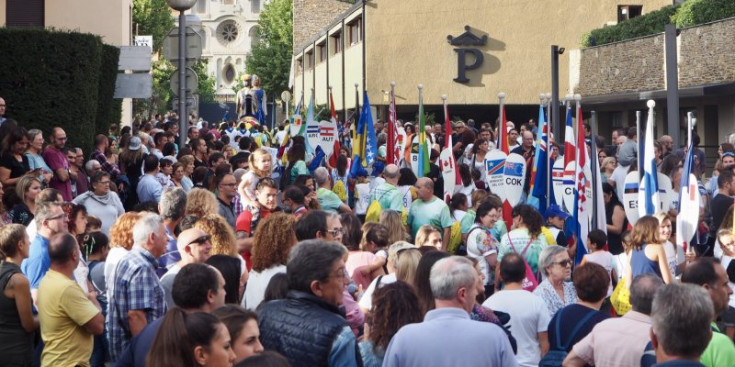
183	117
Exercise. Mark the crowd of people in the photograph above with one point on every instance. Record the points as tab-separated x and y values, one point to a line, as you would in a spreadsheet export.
245	248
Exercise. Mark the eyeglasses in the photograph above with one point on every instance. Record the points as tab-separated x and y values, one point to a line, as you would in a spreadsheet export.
60	216
564	263
335	232
201	240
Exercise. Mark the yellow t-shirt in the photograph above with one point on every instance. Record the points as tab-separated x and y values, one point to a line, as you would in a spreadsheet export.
63	309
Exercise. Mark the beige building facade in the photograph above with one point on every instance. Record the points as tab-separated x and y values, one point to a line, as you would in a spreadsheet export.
415	42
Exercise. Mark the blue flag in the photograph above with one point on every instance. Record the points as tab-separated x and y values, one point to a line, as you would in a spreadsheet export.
540	182
366	144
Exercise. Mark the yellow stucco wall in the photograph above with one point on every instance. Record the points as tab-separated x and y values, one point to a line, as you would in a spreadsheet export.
406	42
110	19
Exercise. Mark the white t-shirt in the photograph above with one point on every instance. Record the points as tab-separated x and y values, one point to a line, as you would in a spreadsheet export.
366	302
363	198
257	284
528	317
406	197
621	264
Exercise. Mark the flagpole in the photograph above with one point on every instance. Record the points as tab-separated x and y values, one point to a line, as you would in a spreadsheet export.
549	162
504	133
640	153
422	131
594	165
690	123
390	156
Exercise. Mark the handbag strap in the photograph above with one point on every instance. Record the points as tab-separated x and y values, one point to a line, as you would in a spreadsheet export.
575	331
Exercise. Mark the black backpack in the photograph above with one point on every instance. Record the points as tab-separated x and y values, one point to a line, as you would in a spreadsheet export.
558	352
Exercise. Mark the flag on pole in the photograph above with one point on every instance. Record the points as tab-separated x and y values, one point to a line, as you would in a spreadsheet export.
649	188
447	162
581	216
539	173
599	219
423	164
688	217
366	145
309	120
394	152
503	146
295	120
335	153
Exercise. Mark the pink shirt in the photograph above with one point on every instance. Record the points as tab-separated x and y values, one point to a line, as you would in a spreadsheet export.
56	159
616	342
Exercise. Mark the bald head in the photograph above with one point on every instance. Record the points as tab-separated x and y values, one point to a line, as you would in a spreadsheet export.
194	245
425	188
527	139
391	173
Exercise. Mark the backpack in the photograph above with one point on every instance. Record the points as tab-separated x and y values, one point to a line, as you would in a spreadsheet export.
529	282
558	352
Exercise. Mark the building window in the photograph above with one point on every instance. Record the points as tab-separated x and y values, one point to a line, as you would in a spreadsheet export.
322	51
253	34
255	6
228	2
202	6
626	12
229	74
336	43
299	66
228	32
25	13
355	29
310	60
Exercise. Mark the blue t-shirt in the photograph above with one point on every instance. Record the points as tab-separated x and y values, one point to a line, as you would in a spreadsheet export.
570	316
38	262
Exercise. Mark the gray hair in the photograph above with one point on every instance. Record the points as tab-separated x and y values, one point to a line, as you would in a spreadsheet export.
391	172
642	290
681	318
312	260
449	274
546	257
32	133
147	224
173	203
44	211
238	173
89	166
321	175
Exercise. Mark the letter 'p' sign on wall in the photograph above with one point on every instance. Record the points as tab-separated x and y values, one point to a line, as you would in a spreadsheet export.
467	58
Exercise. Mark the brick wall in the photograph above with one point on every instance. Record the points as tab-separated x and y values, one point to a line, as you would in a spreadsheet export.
705	57
310	16
707	54
629	66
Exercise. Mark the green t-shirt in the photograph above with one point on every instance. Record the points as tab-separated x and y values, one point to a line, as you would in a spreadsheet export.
435	213
519	238
467	221
328	199
388	196
720	350
299	168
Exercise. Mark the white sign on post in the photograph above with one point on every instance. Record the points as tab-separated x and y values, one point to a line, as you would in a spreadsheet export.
144	41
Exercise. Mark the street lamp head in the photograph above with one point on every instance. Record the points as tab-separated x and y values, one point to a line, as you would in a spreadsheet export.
181	5
501	95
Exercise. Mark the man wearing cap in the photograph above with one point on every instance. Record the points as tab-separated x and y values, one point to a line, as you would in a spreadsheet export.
555	218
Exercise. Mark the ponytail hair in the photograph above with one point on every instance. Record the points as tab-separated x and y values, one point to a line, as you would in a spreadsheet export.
177	337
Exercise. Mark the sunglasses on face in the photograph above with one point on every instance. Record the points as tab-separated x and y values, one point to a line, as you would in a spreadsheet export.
201	240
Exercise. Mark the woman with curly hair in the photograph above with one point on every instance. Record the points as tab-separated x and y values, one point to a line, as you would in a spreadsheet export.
223	237
200	202
121	241
396	305
273	242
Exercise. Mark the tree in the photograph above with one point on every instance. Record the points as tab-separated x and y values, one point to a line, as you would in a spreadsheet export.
205	87
270	58
153	17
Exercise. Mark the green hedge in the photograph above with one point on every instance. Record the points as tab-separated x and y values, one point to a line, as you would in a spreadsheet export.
57	78
688	14
644	25
695	12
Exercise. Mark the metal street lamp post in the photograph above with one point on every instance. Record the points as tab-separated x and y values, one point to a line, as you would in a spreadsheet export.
182	6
